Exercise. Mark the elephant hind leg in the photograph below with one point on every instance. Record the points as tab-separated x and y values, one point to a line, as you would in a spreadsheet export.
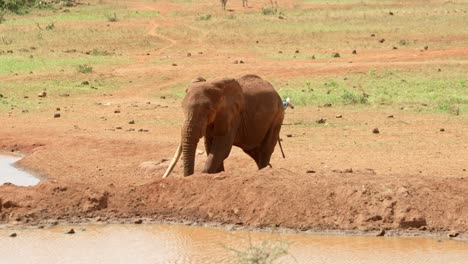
268	147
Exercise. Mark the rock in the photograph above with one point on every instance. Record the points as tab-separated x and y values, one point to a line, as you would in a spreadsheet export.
372	35
280	17
310	171
453	234
390	116
139	221
327	105
96	201
426	47
375	131
57	109
25	97
117	111
131	122
354	52
118	127
241	62
381	233
70	232
174	64
321	121
395	48
382	40
442	129
189	54
297	52
64	95
289	135
13	235
42	94
390	13
1	96
339	116
162	97
85	83
336	55
350	170
280	52
236	62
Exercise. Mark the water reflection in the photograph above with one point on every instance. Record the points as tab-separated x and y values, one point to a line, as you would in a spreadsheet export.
182	244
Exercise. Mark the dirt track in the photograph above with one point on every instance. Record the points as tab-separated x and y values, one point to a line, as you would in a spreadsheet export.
411	176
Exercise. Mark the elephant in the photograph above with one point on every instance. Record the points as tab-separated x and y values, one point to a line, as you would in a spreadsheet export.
246	112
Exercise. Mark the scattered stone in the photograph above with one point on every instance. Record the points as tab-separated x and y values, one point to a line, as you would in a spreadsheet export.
57	115
412	223
189	54
42	94
339	116
85	83
118	128
200	52
390	116
313	57
375	131
439	70
442	129
25	97
327	105
64	95
381	233
289	135
236	62
372	35
453	233
117	111
174	64
25	111
382	40
58	108
350	170
426	47
143	130
336	55
321	121
354	52
395	48
139	221
297	52
241	62
1	95
162	97
13	235
390	13
70	232
280	52
280	17
310	171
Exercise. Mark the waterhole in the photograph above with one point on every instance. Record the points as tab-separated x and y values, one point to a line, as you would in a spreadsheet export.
185	244
11	174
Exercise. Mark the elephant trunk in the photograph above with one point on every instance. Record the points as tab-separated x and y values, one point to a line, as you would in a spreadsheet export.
191	134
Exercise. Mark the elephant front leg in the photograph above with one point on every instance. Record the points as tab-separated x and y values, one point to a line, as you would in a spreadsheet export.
220	148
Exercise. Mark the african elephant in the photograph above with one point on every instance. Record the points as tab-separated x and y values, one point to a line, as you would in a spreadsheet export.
246	112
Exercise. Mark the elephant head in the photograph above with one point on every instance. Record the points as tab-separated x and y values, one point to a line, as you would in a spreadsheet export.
212	106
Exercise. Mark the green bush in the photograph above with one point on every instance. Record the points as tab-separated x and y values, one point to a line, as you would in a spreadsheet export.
267	252
205	17
268	11
84	68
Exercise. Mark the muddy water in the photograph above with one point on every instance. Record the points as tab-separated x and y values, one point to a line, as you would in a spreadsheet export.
182	244
11	174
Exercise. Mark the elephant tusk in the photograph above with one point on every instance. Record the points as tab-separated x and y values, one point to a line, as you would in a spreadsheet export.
173	161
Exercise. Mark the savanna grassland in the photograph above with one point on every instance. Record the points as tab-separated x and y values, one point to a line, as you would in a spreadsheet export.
90	92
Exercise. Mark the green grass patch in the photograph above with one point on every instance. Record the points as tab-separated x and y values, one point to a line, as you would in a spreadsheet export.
24	65
422	90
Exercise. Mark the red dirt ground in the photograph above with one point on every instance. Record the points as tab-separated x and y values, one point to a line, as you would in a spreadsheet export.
411	176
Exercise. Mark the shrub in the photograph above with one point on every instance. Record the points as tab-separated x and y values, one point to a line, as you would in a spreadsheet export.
349	97
112	18
205	17
84	68
268	11
266	252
